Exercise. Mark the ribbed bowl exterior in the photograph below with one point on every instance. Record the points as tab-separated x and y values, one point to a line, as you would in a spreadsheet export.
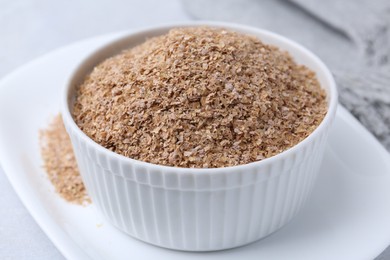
200	209
199	212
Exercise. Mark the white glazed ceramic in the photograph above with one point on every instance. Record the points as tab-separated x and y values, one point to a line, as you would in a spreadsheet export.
346	217
199	209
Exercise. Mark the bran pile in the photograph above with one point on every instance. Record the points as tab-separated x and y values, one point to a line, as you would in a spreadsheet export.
200	97
60	163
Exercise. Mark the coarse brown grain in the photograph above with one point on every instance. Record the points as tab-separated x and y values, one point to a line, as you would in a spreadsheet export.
60	163
200	97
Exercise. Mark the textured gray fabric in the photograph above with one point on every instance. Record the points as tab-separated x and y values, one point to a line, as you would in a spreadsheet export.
352	37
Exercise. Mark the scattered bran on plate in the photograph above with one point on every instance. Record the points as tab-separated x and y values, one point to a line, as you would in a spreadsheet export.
200	97
60	163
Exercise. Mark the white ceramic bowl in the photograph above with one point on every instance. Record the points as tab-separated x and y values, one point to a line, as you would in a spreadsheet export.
199	209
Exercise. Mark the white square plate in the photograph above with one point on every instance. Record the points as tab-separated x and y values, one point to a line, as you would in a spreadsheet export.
347	216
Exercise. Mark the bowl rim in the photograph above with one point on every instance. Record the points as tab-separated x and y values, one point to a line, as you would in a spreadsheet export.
332	96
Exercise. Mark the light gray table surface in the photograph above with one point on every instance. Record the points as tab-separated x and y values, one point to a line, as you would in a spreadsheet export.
29	29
